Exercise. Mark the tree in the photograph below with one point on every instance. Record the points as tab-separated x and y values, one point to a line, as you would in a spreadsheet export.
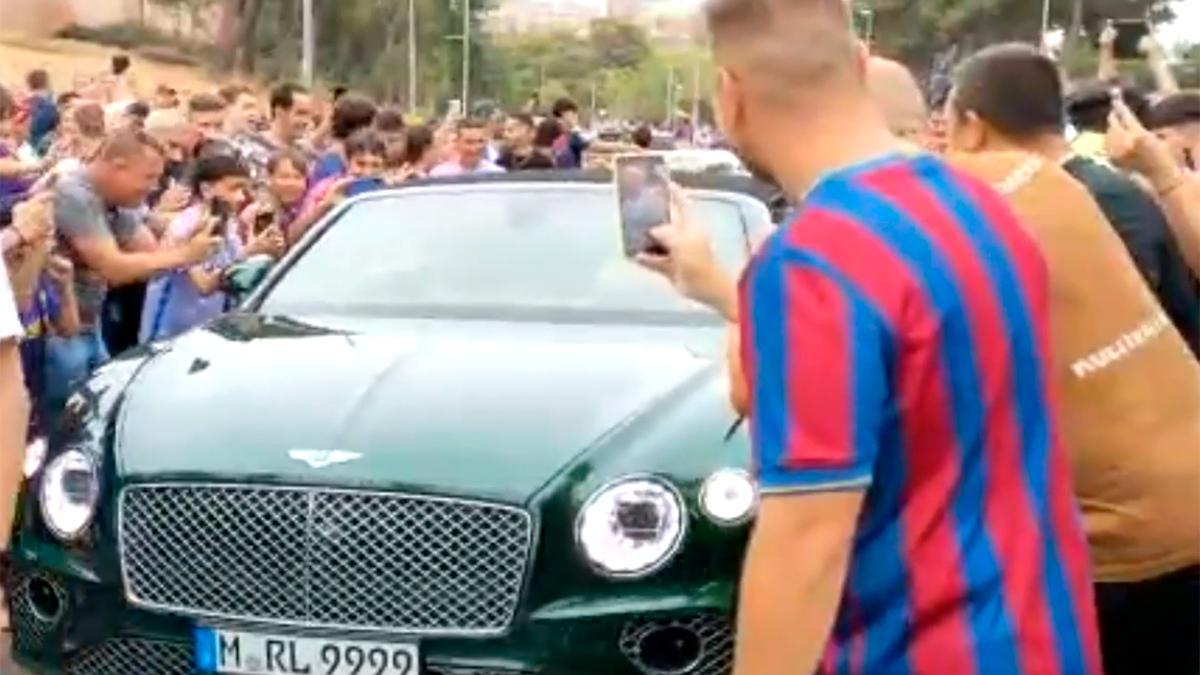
915	31
617	44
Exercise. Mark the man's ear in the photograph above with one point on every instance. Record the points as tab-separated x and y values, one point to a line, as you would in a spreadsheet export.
977	133
727	103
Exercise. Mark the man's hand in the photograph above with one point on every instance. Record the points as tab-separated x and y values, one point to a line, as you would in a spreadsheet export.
203	243
1108	37
1132	147
690	264
174	199
33	219
270	242
60	270
1153	51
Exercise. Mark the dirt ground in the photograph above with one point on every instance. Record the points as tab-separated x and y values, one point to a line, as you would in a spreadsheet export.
68	60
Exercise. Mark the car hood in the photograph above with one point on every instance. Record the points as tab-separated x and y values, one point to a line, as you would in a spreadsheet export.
467	408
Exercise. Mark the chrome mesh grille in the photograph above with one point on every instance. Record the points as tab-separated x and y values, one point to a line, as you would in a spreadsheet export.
29	632
312	557
124	656
714	631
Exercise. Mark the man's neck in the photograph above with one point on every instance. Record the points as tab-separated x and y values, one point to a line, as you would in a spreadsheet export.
470	164
1050	146
281	134
522	150
1053	147
824	145
93	173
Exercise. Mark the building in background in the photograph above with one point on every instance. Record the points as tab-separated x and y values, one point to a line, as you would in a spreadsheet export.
625	10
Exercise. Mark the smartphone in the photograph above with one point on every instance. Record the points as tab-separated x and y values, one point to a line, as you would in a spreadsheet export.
263	220
643	186
362	185
1130	34
218	209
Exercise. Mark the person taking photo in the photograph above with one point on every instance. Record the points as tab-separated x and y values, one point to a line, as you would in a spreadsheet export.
917	512
183	298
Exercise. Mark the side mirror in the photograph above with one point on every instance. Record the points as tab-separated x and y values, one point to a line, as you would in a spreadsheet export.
240	280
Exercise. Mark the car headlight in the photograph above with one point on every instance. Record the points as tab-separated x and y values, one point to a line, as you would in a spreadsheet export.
35	456
729	497
70	492
632	527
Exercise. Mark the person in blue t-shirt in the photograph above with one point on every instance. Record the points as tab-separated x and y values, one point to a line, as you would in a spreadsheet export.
350	114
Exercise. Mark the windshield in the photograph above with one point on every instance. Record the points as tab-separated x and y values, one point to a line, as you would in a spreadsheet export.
502	251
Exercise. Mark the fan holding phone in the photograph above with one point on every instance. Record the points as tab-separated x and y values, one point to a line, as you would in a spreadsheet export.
183	298
1132	40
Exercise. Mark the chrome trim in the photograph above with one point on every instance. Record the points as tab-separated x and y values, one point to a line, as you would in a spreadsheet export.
671	551
310	491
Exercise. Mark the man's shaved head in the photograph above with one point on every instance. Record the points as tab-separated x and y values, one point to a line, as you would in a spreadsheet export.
784	45
899	96
791	87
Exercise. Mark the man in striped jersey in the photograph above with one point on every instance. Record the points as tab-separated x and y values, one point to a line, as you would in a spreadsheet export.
917	514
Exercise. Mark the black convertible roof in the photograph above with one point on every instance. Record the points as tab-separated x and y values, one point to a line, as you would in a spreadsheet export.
770	196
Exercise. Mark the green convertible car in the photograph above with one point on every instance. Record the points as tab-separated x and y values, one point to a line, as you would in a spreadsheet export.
455	432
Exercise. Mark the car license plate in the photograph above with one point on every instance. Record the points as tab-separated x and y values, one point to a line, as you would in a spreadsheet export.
223	651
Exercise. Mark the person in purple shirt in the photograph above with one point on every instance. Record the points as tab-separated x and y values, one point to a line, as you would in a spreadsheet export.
183	298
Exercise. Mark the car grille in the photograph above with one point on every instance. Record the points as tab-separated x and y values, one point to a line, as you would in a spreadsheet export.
126	656
325	558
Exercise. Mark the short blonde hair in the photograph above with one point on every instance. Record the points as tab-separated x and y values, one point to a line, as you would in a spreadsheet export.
791	42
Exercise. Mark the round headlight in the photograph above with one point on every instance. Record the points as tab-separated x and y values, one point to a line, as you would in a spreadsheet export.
729	497
70	491
35	456
631	527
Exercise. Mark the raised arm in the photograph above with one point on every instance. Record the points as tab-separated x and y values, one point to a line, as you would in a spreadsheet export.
1134	148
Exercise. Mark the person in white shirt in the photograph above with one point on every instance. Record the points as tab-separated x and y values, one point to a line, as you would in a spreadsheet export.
471	145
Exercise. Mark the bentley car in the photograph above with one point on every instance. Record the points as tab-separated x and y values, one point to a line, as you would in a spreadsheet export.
453	432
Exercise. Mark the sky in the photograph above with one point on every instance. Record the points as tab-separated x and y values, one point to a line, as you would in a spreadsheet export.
1187	26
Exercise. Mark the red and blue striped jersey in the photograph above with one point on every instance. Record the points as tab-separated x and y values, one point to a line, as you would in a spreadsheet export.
895	338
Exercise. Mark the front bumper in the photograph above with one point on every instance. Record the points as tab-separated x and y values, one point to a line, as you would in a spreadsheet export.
66	624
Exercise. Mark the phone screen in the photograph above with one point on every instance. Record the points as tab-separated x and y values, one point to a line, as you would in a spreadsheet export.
263	220
1129	38
644	200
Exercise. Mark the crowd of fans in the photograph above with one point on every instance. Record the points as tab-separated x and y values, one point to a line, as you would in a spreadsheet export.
122	212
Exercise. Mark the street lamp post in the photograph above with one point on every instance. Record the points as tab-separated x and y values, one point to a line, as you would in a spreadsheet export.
466	53
309	45
671	97
1045	22
412	55
466	56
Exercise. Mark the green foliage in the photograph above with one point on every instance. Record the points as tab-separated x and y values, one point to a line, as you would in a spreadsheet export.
916	30
617	44
615	67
